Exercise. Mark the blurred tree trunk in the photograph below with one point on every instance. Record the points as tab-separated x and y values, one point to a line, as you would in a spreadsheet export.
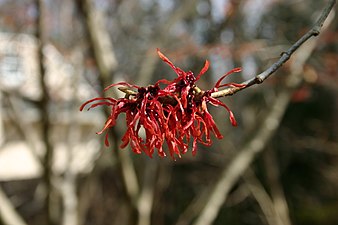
103	51
51	207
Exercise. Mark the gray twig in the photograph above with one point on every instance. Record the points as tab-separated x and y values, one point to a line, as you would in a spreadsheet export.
285	56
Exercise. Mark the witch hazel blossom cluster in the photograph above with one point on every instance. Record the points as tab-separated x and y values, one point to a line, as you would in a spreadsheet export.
173	112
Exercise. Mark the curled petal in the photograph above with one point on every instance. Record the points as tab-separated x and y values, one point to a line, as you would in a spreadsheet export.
96	99
160	151
235	70
209	121
165	59
194	146
106	139
232	119
136	144
203	70
189	123
101	103
163	81
178	71
125	139
109	123
217	102
121	84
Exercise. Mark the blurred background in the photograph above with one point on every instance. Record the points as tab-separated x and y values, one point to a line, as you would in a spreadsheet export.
279	166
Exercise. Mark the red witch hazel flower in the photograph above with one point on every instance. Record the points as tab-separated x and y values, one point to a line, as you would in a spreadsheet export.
176	114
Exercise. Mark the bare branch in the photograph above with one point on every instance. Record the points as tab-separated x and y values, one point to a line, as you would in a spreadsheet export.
241	162
100	40
277	193
21	125
262	197
285	56
8	214
146	198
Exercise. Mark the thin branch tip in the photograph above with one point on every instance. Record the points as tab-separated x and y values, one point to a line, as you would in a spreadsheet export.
284	56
